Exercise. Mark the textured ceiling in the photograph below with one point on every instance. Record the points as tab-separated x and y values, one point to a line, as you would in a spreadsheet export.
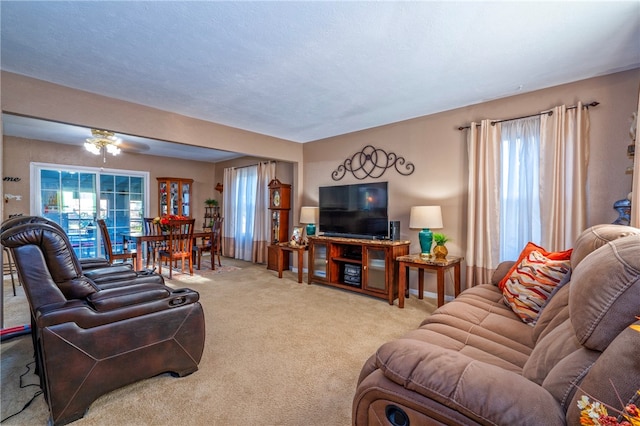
303	71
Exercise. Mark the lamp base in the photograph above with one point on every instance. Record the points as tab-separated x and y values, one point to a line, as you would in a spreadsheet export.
426	240
311	230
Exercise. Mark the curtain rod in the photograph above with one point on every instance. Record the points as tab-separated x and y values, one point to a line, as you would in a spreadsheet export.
251	165
550	112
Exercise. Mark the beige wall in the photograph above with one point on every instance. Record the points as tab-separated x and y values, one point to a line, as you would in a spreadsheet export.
438	150
432	143
19	153
36	98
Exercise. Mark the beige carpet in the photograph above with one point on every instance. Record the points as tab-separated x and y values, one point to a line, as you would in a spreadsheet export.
276	353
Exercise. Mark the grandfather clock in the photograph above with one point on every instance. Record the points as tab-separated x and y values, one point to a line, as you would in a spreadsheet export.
279	206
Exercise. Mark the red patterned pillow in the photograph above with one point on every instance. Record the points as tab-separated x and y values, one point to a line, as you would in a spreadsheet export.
532	282
560	255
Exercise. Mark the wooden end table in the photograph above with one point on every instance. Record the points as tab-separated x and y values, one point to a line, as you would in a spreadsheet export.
282	247
416	261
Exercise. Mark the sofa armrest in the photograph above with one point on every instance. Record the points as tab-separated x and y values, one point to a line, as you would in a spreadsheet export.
85	315
481	391
501	271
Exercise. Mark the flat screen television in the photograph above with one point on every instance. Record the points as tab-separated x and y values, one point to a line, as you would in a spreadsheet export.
355	211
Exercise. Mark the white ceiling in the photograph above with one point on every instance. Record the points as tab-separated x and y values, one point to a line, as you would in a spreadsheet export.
303	71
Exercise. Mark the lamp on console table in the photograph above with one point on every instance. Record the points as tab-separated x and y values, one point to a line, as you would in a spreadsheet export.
425	217
308	216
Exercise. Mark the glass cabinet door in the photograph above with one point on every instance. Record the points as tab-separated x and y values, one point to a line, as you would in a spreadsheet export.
320	262
184	198
375	270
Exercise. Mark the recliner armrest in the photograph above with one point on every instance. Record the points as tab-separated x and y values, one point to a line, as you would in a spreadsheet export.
94	262
111	273
87	316
119	297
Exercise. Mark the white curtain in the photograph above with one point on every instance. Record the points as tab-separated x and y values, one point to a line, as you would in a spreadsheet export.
564	155
245	205
483	208
520	200
229	224
262	233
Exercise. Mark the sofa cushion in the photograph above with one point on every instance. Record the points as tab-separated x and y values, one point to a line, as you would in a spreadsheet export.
478	324
561	255
555	346
555	312
605	292
532	282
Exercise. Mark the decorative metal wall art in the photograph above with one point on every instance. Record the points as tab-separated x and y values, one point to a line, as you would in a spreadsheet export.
372	162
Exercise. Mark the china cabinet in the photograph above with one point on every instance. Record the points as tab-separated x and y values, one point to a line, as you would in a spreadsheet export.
174	196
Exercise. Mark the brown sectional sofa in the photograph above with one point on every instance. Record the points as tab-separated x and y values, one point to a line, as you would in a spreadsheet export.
473	361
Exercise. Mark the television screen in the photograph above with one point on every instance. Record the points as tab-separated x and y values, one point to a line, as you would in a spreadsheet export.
358	210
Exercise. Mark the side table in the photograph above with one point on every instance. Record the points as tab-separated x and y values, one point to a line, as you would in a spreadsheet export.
282	247
416	261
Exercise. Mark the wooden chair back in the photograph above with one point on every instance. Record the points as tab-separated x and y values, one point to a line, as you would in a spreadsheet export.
108	248
180	244
211	244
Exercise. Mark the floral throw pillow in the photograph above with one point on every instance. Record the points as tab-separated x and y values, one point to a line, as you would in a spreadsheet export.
532	282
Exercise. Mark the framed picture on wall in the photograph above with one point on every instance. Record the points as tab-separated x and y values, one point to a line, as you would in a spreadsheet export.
296	236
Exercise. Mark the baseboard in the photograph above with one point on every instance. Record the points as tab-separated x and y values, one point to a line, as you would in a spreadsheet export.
430	295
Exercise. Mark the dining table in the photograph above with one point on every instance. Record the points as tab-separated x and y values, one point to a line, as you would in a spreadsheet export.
140	238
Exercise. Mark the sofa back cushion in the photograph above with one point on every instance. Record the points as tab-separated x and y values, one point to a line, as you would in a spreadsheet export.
605	292
597	236
614	377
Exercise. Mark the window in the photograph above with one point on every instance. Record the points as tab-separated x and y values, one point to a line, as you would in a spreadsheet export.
68	195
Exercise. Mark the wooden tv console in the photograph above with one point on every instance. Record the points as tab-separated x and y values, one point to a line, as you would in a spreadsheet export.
359	265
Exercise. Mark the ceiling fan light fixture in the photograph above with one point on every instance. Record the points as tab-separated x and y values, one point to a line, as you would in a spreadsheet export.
101	142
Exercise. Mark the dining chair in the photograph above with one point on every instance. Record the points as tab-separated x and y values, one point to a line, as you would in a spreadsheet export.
152	228
211	244
179	246
108	247
8	268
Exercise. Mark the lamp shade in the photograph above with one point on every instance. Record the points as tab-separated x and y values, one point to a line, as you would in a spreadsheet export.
308	214
424	217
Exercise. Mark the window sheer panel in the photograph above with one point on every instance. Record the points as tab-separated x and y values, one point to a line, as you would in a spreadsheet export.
245	200
519	197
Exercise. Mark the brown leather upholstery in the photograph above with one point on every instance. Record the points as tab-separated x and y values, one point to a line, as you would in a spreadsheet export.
91	340
473	361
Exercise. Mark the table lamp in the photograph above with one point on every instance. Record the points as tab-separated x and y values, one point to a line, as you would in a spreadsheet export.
425	217
308	216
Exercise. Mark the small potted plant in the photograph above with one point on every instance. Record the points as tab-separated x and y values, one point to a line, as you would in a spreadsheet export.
440	250
211	202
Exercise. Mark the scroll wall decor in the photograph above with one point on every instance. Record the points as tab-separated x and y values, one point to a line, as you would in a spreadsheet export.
372	162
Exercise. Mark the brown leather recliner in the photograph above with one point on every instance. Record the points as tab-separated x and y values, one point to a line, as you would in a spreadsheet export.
88	339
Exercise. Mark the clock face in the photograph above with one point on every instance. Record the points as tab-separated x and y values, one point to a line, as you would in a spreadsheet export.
276	198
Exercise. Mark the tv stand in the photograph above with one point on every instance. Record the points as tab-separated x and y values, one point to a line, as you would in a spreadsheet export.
364	266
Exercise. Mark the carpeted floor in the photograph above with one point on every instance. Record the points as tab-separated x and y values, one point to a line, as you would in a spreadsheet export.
276	353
